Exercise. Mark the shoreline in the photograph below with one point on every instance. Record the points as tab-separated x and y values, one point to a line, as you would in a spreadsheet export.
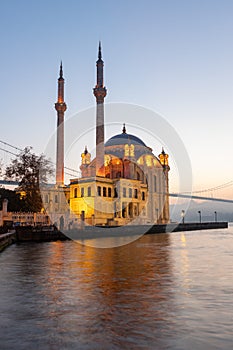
31	234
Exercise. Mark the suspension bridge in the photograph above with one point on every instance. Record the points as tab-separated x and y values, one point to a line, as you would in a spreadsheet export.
203	194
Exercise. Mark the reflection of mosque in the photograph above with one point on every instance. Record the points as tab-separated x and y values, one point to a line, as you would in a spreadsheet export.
123	291
125	183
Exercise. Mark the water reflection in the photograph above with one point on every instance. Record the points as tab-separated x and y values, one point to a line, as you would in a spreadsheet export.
159	292
184	262
113	292
95	297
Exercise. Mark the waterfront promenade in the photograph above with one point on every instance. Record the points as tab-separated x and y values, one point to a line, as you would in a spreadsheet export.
31	234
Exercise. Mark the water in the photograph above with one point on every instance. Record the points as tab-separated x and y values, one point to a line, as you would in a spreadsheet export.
168	291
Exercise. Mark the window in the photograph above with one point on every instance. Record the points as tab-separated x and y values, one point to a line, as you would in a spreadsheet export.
104	191
56	198
124	192
131	150
46	199
155	184
109	192
143	196
124	211
118	174
89	191
126	150
75	192
138	176
130	193
115	193
82	191
99	191
135	193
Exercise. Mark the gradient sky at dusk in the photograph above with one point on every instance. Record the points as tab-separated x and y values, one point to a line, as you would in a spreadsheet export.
172	56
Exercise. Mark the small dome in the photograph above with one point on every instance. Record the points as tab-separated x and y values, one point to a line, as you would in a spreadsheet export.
122	139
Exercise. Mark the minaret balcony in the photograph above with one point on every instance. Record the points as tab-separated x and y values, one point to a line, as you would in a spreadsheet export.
60	107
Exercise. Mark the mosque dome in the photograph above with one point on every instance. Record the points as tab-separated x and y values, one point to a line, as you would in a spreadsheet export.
122	139
126	145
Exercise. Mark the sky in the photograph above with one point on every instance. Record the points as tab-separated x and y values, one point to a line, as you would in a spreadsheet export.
174	57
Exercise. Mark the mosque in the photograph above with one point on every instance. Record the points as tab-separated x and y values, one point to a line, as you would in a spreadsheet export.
124	184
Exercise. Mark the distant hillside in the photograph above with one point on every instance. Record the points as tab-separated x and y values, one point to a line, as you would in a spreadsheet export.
207	208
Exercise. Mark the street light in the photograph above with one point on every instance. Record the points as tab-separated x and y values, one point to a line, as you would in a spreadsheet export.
182	215
215	215
199	212
157	215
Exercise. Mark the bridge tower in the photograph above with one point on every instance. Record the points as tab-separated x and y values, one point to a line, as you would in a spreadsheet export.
60	107
100	92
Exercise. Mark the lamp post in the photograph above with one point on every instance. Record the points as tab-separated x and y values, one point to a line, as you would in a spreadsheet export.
199	212
157	215
182	215
215	216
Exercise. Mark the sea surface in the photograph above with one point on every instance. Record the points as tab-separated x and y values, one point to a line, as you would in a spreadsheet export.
164	291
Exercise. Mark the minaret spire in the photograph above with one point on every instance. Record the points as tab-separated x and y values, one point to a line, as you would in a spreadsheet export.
100	92
100	53
61	71
60	107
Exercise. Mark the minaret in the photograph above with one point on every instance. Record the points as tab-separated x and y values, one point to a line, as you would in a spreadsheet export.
60	107
100	93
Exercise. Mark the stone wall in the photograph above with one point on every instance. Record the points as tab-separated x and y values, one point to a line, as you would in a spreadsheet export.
7	239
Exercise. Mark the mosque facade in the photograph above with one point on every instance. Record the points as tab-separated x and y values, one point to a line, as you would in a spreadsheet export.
125	183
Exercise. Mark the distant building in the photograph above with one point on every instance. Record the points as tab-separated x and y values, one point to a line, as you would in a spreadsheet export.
21	218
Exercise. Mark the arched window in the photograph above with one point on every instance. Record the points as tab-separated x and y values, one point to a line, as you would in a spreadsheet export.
130	192
131	150
126	150
75	192
115	192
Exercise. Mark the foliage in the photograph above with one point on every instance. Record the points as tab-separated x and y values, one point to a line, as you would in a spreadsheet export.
30	171
15	202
